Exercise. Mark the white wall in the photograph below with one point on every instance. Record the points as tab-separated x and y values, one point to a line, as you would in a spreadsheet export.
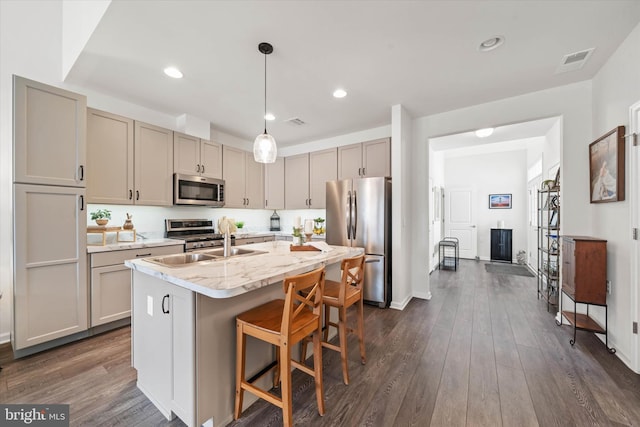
406	280
615	88
571	102
493	173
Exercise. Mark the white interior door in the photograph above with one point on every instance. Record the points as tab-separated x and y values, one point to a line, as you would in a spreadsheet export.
460	220
634	114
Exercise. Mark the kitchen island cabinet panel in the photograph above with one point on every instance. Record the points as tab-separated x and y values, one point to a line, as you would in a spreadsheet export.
49	134
50	287
109	158
153	156
111	282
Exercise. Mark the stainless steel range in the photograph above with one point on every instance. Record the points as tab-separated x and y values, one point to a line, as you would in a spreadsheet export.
198	233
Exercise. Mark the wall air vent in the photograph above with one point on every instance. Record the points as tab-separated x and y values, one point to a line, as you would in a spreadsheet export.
295	121
574	61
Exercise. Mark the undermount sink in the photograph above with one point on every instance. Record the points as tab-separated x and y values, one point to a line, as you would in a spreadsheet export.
179	260
235	251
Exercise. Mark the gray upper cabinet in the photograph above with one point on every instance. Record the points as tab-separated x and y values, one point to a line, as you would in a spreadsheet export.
323	167
195	156
274	184
128	162
49	135
109	158
306	176
244	179
296	187
153	171
372	158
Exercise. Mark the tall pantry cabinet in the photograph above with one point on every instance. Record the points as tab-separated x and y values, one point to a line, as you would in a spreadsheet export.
50	276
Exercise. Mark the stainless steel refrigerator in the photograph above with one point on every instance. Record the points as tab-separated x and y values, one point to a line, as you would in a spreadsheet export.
359	214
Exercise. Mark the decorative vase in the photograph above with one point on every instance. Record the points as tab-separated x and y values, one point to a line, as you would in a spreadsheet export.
102	221
128	225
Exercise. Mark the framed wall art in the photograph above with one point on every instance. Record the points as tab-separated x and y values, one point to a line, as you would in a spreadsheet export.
606	167
499	201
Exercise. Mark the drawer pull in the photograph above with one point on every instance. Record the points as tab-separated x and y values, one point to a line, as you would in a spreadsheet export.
141	255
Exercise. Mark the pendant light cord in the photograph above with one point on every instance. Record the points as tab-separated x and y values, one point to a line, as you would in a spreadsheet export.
265	93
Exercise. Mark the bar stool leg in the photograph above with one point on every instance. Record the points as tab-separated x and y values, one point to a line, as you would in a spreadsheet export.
317	368
285	380
240	365
342	331
363	357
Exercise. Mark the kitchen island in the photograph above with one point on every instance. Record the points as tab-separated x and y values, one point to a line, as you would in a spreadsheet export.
183	325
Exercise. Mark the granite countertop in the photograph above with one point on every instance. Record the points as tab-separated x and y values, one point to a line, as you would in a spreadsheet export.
138	244
225	278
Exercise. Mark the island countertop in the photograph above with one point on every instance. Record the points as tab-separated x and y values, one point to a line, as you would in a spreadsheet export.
225	278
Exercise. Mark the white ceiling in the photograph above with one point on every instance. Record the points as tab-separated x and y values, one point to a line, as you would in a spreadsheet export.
421	54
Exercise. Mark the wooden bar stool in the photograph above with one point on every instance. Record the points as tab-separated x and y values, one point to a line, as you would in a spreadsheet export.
284	323
343	295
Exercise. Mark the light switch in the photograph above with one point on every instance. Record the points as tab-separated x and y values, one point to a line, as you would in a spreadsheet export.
150	305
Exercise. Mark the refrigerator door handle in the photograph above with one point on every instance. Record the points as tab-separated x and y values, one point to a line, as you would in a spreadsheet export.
354	215
370	260
349	215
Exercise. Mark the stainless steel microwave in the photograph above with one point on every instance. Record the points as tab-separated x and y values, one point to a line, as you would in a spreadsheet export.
197	190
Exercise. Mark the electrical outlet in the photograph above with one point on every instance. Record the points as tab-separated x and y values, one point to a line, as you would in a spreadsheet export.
609	287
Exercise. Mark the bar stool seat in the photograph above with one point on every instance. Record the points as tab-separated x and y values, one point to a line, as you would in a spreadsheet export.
283	323
342	295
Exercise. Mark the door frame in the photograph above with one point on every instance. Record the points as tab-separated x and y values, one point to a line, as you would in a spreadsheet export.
632	134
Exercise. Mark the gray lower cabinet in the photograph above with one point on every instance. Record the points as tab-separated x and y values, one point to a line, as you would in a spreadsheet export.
50	262
164	346
111	282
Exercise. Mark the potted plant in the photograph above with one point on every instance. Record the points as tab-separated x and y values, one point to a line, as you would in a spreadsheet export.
101	216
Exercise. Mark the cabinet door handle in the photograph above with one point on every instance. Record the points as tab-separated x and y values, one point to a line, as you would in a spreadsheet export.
364	171
143	255
81	203
165	298
137	195
197	168
81	172
247	201
309	202
130	194
202	167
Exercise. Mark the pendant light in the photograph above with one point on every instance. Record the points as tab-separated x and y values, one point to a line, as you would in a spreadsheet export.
264	147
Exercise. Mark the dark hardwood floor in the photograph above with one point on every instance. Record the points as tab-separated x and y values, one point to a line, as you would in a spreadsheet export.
482	352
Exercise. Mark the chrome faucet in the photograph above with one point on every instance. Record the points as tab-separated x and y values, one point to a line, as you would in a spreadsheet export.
227	244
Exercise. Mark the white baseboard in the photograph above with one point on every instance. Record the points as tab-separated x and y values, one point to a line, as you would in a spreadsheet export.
5	337
422	295
400	305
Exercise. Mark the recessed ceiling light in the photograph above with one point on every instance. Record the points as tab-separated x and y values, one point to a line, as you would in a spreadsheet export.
269	117
483	133
173	72
491	43
339	93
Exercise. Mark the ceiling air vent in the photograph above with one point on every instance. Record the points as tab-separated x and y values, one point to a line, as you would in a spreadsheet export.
574	61
295	121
